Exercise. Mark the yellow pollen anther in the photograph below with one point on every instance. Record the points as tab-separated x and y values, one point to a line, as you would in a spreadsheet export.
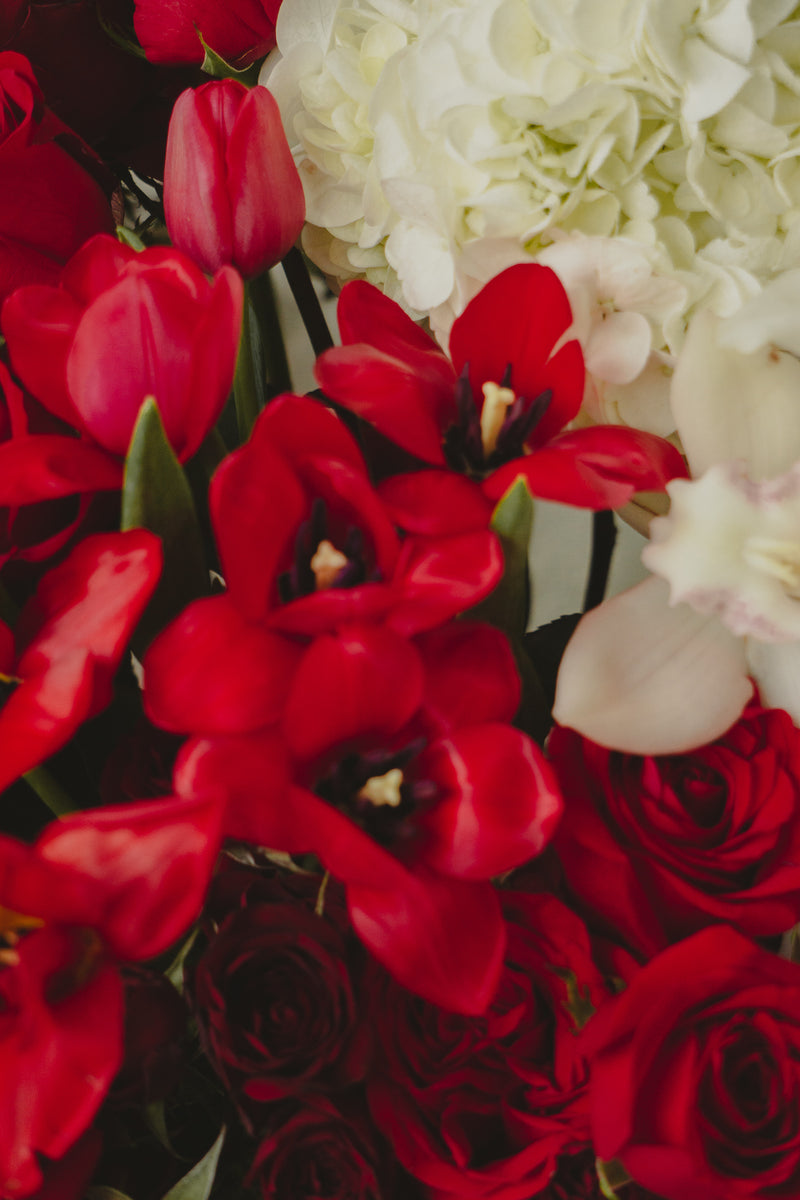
383	789
326	564
496	402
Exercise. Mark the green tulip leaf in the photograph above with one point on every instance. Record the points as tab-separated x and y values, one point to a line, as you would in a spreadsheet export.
216	66
509	605
198	1183
156	496
611	1176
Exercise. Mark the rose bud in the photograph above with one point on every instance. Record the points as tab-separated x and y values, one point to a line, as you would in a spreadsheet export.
239	31
232	194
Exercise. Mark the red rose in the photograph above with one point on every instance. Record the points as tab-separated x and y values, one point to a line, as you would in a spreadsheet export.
659	847
481	1108
321	1152
272	992
240	31
696	1072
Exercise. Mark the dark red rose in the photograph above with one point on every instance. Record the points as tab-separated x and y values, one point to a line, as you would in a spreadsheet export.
321	1152
272	993
155	1026
482	1107
696	1072
656	848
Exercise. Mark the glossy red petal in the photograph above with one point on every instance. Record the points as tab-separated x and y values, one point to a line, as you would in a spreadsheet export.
365	314
516	320
43	712
398	400
367	680
39	324
256	504
212	671
250	774
470	676
149	864
215	346
46	466
91	602
301	428
441	938
498	804
435	502
57	1056
438	578
324	611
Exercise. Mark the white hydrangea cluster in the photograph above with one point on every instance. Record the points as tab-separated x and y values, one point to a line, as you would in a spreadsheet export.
439	140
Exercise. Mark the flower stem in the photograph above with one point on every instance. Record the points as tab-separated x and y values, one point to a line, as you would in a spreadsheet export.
245	383
50	791
604	535
307	301
275	366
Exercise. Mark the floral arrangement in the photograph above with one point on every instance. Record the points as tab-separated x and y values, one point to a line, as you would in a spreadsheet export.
325	872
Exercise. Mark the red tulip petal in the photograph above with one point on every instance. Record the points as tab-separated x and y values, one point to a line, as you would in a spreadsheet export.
39	324
149	864
212	671
257	504
402	403
435	502
441	938
47	466
437	578
470	676
367	680
596	468
516	320
91	602
43	712
301	428
215	346
250	774
498	806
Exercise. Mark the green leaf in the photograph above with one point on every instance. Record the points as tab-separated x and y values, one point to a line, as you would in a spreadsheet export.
509	605
611	1176
129	238
199	1181
157	496
174	971
216	66
579	1001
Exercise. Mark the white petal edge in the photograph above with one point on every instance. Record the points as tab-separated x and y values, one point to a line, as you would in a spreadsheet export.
645	678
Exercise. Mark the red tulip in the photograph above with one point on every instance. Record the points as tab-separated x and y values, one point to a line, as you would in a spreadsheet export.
240	31
120	327
98	888
232	194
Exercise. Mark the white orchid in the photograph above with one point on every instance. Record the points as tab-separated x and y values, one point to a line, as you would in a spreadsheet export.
665	666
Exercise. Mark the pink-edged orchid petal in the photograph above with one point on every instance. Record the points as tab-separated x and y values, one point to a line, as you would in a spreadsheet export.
250	775
498	804
75	1044
367	680
437	578
91	602
470	676
732	406
647	678
517	319
245	515
47	466
600	467
149	864
436	502
388	392
441	938
43	712
212	671
29	316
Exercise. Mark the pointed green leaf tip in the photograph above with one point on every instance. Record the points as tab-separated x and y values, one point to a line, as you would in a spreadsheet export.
216	66
199	1181
611	1176
509	604
156	496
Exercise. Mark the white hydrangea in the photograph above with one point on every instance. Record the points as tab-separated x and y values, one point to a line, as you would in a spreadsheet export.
438	139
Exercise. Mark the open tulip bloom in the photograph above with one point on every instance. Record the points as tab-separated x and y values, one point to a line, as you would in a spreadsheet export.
325	871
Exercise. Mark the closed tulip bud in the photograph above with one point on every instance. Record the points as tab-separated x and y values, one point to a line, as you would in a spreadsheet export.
232	193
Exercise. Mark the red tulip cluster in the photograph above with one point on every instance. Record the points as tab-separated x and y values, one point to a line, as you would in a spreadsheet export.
274	736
